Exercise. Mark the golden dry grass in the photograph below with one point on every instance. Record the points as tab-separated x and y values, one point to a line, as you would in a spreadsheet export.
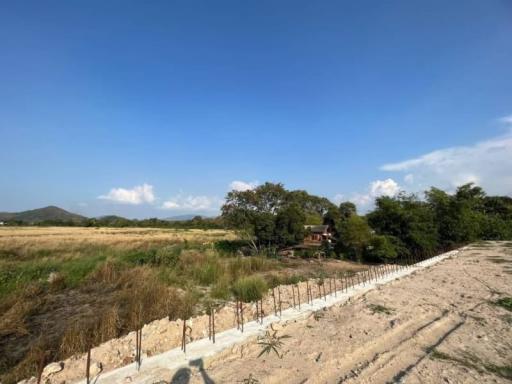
75	237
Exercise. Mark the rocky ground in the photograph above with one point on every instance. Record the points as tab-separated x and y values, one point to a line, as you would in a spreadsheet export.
438	325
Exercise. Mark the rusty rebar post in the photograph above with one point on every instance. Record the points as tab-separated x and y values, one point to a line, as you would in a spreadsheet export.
88	366
184	338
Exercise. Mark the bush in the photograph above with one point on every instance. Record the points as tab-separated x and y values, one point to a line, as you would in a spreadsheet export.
220	290
209	272
273	280
242	266
293	279
168	256
139	257
229	246
305	253
249	289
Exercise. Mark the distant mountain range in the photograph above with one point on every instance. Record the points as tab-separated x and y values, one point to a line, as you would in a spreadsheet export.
39	215
183	217
56	214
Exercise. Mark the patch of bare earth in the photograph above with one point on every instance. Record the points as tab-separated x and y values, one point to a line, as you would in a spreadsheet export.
439	325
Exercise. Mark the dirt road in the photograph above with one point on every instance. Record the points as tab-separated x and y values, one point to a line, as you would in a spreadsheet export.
438	325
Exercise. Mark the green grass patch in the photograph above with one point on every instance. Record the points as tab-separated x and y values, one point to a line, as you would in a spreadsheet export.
472	362
377	308
499	260
504	371
505	302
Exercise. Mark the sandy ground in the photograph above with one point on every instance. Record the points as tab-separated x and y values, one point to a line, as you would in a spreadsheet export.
438	325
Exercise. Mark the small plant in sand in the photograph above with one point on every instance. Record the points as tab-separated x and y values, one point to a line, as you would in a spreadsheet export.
271	342
317	315
377	308
505	302
250	380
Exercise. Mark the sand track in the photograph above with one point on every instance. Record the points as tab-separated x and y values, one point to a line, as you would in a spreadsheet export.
442	327
401	350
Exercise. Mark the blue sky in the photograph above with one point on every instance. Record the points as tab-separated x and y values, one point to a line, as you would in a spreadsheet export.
156	108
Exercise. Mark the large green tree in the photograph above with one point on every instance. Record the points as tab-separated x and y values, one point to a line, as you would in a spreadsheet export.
270	215
408	220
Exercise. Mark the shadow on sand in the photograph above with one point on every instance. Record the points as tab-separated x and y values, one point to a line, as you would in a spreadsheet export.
182	376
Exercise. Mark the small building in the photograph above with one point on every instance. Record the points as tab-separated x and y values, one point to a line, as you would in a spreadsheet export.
2	223
317	233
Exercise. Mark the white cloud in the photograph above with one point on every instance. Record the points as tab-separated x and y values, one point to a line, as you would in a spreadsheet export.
238	185
388	187
137	195
170	204
361	200
192	203
487	163
377	188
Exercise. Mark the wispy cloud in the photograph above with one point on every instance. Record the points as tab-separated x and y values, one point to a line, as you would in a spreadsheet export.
487	163
238	185
507	120
139	194
338	198
192	203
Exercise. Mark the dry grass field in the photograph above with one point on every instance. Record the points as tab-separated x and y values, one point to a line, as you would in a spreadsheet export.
34	238
63	288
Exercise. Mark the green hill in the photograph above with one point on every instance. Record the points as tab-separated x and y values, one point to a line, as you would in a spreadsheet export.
46	214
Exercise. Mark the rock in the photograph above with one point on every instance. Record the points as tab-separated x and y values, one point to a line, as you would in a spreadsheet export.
53	368
96	368
52	277
128	379
32	380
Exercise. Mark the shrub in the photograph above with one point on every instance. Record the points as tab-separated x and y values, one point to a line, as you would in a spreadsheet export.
107	272
242	266
143	298
293	279
229	246
220	290
248	289
139	257
273	280
208	273
168	256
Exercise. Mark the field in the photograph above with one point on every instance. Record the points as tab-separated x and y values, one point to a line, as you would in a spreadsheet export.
57	284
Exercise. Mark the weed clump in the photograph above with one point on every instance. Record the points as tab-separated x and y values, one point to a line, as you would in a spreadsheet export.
272	342
377	308
505	302
249	289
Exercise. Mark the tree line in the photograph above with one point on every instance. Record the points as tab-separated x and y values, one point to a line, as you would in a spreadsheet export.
197	222
272	217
